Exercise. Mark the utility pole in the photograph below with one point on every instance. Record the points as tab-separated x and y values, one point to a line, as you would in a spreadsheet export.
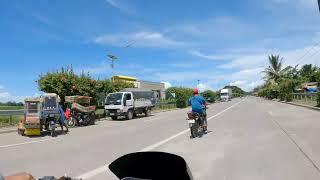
113	58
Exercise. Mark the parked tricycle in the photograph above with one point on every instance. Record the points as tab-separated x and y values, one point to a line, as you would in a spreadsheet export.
79	111
50	113
31	124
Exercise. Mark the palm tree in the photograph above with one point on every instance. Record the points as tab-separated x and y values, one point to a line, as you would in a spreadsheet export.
274	72
307	71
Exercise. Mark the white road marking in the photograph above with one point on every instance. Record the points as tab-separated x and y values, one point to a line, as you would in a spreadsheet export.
104	168
24	143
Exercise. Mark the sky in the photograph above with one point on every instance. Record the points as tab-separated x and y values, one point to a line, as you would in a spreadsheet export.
174	41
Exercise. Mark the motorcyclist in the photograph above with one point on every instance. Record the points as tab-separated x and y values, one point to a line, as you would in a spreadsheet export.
198	105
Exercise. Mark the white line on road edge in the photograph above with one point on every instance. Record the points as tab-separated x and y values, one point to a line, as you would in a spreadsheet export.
151	147
30	142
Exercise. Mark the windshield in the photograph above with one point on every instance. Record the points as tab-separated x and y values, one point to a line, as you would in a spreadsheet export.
32	107
50	102
114	99
224	94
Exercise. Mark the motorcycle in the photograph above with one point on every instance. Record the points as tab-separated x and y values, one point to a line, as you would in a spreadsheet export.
197	124
139	166
79	111
50	124
50	113
78	118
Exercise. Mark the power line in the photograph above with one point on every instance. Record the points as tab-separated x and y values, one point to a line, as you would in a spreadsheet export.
316	52
309	50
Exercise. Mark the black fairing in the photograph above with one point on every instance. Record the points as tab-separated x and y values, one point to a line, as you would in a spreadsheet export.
151	165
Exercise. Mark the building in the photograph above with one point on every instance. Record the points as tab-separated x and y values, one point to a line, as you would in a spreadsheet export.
157	87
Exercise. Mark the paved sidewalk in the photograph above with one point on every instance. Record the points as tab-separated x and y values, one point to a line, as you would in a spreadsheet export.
301	105
8	129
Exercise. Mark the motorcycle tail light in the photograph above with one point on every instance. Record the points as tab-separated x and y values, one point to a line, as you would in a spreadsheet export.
190	115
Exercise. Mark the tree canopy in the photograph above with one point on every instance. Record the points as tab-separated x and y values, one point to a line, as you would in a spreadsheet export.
65	82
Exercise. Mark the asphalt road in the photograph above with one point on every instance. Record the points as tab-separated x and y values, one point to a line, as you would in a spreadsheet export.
248	138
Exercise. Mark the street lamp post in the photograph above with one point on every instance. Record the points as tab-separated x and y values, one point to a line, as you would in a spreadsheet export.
113	58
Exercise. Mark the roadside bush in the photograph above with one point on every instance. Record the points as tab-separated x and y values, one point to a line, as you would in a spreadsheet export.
180	94
209	95
269	92
286	88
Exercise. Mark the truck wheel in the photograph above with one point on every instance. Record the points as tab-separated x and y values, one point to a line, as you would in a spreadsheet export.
114	117
129	115
147	112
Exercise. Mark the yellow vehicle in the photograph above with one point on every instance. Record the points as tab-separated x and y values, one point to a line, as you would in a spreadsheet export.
30	123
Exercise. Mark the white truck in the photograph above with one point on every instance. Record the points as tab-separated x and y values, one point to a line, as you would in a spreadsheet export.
129	103
226	94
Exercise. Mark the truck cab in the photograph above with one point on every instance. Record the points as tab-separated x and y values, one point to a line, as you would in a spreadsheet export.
225	95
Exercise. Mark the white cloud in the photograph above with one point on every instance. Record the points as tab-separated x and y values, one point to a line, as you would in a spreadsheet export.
298	3
210	57
167	85
202	87
139	39
304	55
121	6
182	76
6	96
102	68
238	83
246	85
246	74
218	28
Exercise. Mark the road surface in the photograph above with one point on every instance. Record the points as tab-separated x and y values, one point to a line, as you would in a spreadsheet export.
249	138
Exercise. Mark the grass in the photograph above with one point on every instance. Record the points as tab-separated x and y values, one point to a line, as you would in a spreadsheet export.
164	107
99	111
11	107
305	102
6	120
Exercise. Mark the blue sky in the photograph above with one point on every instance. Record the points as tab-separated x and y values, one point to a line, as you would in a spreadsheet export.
175	41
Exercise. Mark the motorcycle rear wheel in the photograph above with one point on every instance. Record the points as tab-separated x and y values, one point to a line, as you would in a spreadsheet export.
194	129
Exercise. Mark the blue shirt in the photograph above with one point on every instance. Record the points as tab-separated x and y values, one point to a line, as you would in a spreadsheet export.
197	102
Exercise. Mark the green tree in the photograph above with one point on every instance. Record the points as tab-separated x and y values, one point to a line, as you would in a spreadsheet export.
274	72
65	82
181	95
209	95
307	72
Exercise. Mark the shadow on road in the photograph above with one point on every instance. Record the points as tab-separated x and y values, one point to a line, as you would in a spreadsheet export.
134	118
47	133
